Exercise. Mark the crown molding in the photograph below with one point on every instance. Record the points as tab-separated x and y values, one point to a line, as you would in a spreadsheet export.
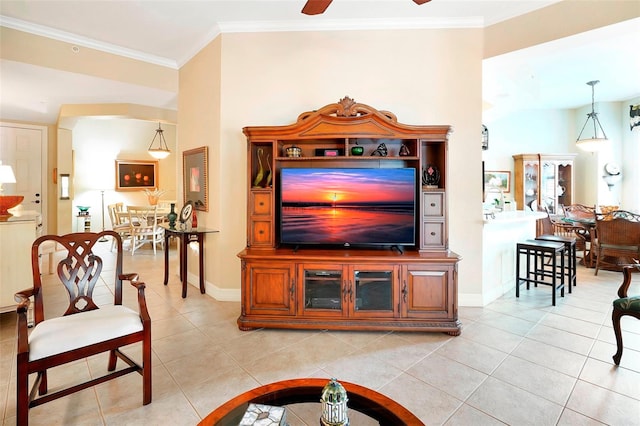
41	30
243	27
351	24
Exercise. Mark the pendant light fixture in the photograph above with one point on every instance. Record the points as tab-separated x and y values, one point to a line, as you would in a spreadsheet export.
162	151
596	142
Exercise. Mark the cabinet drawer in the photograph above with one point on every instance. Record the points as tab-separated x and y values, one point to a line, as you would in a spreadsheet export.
433	204
433	234
260	203
261	233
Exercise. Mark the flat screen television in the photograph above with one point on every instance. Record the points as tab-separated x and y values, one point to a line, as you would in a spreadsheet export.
347	206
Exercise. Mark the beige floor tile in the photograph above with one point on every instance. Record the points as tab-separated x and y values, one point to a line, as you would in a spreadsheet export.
572	325
561	339
431	405
571	418
604	351
507	323
403	350
475	355
363	368
447	375
174	410
604	405
608	376
179	345
189	369
493	337
513	405
564	361
536	379
170	326
467	415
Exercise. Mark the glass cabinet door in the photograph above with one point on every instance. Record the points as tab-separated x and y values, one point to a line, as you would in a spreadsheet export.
530	184
322	289
373	290
548	184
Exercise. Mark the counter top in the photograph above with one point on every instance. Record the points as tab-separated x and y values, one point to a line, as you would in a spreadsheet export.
514	216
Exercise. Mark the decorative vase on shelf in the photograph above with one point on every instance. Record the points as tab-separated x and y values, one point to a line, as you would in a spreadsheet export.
357	150
172	216
260	174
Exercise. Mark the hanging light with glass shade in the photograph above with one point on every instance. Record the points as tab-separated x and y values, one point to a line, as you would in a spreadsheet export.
596	142
162	150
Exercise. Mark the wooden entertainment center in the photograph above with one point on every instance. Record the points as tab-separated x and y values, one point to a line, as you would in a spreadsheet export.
410	288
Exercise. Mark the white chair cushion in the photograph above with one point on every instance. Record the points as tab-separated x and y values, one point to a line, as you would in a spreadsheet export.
57	335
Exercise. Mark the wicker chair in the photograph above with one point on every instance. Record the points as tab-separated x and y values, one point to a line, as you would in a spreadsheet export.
625	305
618	236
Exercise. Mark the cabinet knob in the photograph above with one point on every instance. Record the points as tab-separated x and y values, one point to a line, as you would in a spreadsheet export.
433	234
261	232
261	203
433	204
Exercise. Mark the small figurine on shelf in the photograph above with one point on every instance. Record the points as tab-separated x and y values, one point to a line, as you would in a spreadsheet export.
430	176
381	150
194	220
404	151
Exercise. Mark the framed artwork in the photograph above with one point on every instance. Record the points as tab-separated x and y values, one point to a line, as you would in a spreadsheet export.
133	175
195	179
498	179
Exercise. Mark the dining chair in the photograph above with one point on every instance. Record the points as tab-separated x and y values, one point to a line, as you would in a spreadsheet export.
118	225
624	305
617	236
144	227
84	329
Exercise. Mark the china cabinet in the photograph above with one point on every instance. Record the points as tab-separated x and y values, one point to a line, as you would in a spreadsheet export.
544	180
411	287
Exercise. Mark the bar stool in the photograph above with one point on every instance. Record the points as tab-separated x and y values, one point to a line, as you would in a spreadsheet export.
545	256
570	252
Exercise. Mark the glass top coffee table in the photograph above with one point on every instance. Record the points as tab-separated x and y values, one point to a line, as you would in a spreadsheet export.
366	403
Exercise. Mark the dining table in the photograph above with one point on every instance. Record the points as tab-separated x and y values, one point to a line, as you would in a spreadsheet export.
585	230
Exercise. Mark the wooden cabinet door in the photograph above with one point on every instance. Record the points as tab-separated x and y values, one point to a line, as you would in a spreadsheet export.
269	288
427	292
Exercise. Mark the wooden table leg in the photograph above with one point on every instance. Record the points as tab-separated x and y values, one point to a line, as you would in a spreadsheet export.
166	258
201	261
183	263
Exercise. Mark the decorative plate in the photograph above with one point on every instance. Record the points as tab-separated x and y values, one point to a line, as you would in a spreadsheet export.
185	213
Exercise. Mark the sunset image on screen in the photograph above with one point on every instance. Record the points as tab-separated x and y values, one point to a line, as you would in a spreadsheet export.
347	206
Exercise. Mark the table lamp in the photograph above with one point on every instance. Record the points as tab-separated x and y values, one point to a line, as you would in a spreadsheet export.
7	201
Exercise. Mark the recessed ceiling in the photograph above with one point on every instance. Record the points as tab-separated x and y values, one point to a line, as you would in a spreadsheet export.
169	32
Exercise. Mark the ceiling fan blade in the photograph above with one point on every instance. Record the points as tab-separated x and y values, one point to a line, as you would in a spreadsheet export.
421	1
315	7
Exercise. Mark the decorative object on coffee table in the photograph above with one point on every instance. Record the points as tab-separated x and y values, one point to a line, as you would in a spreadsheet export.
334	405
264	415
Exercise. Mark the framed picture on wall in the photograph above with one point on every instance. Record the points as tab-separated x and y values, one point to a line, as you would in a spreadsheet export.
195	179
133	175
498	179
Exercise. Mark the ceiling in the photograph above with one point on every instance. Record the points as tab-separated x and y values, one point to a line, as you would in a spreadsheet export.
170	32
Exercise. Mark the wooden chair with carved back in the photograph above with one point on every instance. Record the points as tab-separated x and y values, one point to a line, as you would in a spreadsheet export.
624	305
84	329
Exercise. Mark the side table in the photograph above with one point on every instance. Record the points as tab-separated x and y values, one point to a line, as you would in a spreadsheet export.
185	236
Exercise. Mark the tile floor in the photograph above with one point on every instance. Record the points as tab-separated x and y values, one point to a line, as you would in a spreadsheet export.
517	361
